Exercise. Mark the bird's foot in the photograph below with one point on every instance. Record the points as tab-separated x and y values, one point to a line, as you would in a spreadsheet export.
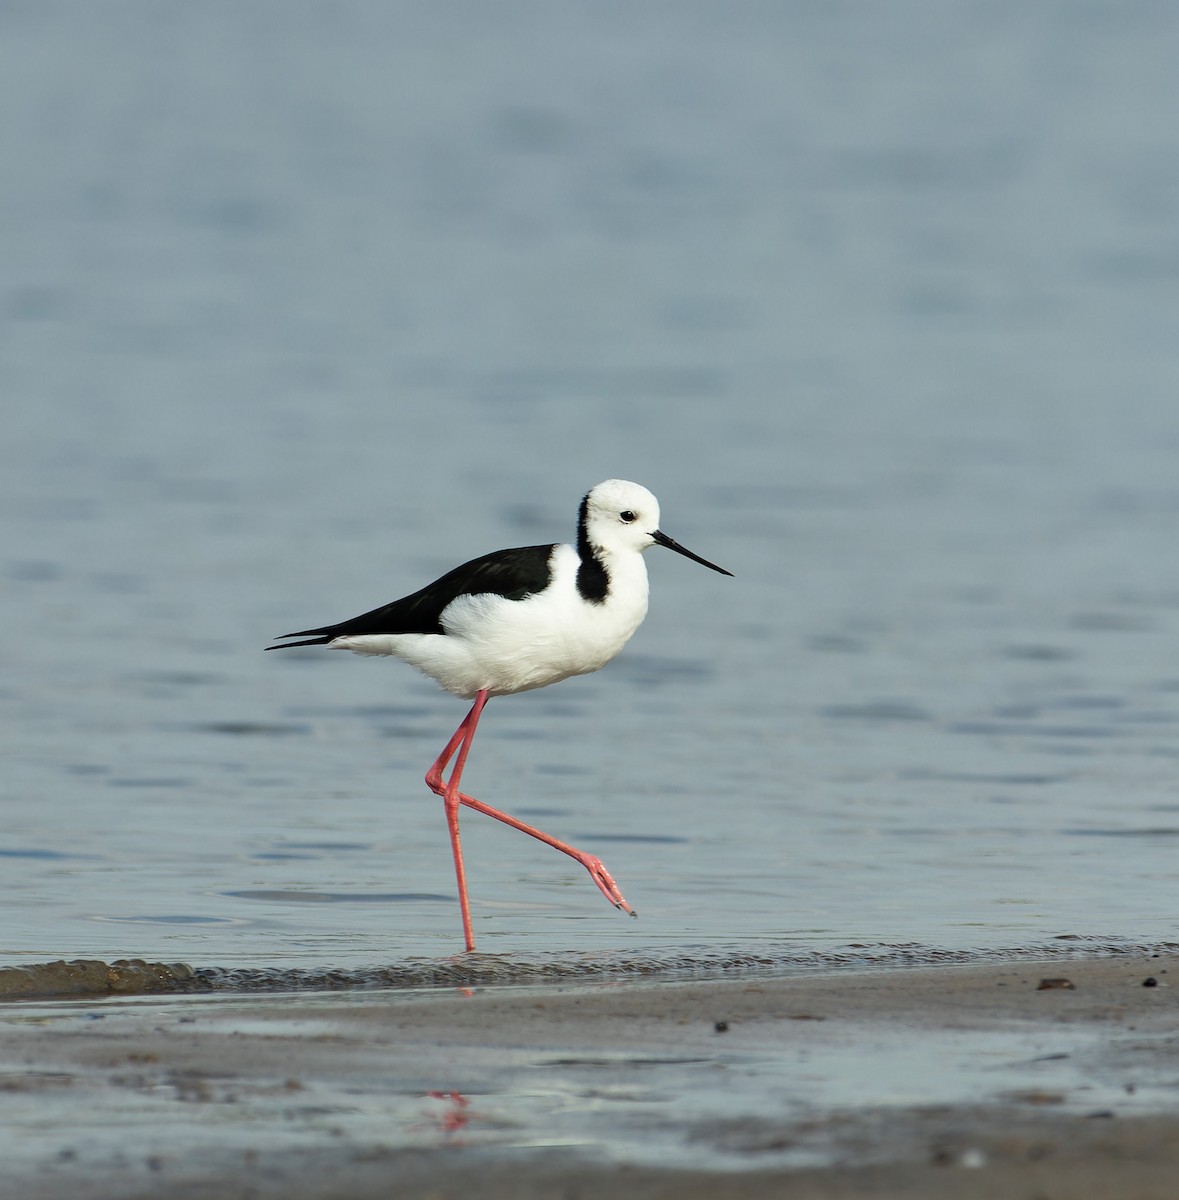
605	882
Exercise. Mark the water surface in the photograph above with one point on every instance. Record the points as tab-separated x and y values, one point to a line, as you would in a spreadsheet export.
301	310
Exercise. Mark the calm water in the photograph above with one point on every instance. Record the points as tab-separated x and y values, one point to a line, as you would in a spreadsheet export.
301	305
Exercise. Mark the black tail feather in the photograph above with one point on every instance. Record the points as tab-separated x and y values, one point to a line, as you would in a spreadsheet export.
315	641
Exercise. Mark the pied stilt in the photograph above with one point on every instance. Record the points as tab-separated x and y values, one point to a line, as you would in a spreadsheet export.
515	620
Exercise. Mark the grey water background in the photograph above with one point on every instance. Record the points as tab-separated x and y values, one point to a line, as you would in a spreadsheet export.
303	304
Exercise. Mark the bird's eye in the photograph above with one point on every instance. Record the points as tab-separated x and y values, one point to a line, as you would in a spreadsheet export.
627	516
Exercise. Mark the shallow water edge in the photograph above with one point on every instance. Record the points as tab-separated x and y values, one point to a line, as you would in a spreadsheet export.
135	976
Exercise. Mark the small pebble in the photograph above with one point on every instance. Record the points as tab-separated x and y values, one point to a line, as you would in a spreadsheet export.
1049	984
1150	981
721	1027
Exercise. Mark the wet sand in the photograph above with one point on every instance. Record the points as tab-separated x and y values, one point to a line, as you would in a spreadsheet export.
977	1080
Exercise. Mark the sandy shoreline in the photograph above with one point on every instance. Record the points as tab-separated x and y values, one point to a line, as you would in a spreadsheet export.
910	1082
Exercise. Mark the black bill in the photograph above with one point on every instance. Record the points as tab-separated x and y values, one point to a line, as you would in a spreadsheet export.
661	539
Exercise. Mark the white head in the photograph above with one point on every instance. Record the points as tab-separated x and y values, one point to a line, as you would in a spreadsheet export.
618	515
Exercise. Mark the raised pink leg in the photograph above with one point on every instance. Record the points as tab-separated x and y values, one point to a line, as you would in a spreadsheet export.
592	864
449	791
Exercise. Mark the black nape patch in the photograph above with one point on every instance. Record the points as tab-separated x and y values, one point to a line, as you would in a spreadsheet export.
593	583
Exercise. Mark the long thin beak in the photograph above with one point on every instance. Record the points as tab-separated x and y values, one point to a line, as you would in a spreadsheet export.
662	539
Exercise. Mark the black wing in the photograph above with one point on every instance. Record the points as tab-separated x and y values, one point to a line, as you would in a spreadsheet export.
513	574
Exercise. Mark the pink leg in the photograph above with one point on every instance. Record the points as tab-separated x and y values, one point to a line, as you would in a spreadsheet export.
452	797
448	790
592	864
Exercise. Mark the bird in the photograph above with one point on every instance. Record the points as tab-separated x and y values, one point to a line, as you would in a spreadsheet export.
512	621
